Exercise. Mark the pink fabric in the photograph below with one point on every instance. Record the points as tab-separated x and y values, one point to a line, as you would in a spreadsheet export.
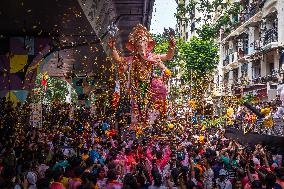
114	185
245	180
73	184
161	163
57	185
158	89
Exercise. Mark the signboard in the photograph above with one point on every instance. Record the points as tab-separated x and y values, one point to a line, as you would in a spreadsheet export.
36	115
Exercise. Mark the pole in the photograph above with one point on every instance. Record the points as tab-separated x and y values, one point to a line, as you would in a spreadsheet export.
190	95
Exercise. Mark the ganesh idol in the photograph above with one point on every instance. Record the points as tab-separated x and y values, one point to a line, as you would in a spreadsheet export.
146	90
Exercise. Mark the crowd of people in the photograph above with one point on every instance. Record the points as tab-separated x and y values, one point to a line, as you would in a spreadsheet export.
77	150
267	120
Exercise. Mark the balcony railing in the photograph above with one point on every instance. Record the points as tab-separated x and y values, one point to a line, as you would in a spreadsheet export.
265	79
270	36
249	11
242	53
254	46
232	57
226	61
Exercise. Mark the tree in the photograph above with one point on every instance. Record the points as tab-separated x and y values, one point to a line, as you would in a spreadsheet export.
212	16
201	58
55	90
200	54
197	60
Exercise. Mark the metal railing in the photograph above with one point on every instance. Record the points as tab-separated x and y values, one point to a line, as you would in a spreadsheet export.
265	79
226	61
270	36
255	46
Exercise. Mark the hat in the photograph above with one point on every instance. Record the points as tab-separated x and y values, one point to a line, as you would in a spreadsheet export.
223	172
140	32
256	161
32	179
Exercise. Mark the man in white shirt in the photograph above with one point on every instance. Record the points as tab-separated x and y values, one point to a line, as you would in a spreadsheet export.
223	182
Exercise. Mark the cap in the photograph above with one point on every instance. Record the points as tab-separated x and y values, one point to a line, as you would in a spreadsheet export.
223	172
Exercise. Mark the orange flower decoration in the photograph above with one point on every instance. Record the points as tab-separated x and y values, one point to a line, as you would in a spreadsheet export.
167	73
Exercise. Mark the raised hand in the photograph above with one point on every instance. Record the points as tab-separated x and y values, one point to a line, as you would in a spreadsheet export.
172	42
111	43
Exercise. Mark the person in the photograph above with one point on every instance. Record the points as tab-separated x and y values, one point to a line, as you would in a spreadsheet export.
32	180
131	162
223	182
112	182
157	180
101	180
280	176
208	174
270	182
89	181
89	165
129	182
75	182
57	177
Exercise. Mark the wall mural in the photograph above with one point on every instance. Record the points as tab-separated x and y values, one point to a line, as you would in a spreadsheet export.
18	68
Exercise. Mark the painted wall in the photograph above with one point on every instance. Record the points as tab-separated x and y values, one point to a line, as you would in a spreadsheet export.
19	65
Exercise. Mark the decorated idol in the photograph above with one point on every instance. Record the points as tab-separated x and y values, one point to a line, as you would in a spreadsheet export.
147	92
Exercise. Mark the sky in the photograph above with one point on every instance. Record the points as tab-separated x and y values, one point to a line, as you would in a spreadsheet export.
163	15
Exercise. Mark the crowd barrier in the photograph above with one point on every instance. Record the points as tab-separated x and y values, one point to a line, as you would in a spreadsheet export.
273	143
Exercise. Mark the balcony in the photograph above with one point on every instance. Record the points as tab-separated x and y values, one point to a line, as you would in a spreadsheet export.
231	60
270	36
247	17
265	79
254	46
243	53
226	60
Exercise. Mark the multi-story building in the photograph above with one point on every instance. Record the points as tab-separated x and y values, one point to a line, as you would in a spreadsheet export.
251	50
186	25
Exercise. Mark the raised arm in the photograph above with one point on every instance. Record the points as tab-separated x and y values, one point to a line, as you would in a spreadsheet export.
171	51
192	172
114	52
249	174
167	73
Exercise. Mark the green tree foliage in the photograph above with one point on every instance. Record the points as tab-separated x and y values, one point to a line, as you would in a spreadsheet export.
162	46
55	90
211	17
200	55
196	58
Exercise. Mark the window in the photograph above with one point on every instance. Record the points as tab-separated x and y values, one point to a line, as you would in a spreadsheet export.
256	71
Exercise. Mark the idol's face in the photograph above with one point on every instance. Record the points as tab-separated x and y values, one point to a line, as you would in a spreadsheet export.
141	47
